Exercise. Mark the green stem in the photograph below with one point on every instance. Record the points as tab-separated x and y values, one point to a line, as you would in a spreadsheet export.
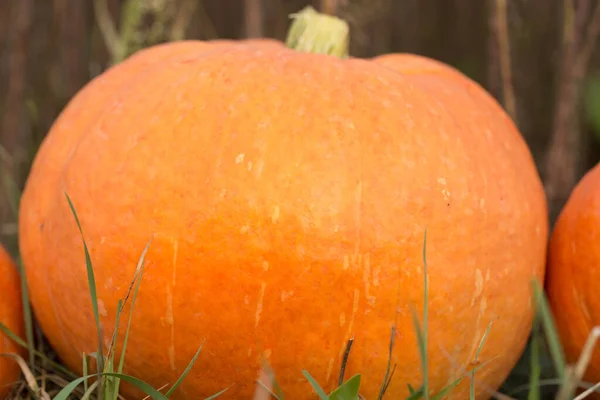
314	32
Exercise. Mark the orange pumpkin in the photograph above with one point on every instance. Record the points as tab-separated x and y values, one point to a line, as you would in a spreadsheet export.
11	315
573	269
287	194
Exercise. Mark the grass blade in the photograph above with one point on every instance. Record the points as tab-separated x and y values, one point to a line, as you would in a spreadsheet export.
88	391
92	287
111	348
387	378
422	334
485	335
345	361
275	390
318	389
411	389
186	371
110	383
442	393
84	361
556	350
137	279
388	381
422	350
534	374
348	390
145	387
415	394
214	396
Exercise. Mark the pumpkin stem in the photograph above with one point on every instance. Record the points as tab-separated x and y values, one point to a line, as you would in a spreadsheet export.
314	32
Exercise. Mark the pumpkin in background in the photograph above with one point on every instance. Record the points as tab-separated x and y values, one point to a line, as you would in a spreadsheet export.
11	315
286	194
574	270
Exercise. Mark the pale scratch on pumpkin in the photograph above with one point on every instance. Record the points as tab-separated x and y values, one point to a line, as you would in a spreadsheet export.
108	284
102	308
358	216
446	193
259	305
175	253
267	354
582	305
330	368
169	321
478	286
367	279
356	261
376	272
107	340
305	270
286	295
275	216
346	262
454	368
170	317
259	168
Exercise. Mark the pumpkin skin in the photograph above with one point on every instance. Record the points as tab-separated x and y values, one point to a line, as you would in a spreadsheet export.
287	195
11	315
573	267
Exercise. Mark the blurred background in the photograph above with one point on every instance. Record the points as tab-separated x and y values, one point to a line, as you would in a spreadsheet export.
539	58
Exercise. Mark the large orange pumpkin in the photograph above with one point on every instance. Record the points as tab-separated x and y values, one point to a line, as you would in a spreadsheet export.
11	315
574	269
287	194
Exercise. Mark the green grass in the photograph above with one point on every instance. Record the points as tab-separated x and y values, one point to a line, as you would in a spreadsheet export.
45	378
